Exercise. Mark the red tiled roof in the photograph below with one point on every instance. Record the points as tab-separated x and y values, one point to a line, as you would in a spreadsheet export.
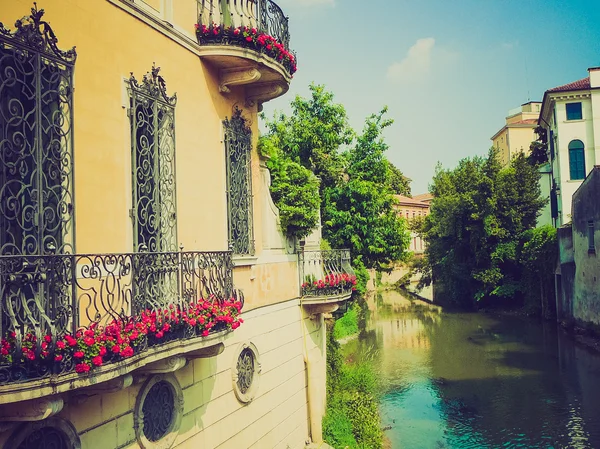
527	121
423	197
411	201
575	85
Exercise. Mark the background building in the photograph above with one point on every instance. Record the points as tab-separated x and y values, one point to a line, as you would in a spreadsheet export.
411	208
569	113
518	132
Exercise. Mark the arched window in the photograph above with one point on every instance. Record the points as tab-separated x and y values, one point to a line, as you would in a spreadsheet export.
576	159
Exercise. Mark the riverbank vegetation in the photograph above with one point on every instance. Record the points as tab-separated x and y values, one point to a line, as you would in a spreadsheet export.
483	248
352	417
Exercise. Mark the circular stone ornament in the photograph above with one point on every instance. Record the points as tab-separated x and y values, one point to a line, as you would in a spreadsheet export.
49	433
158	412
246	372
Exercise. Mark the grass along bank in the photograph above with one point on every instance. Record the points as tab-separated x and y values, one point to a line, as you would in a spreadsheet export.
352	417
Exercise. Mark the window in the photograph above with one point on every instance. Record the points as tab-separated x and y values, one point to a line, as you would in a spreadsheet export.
158	412
36	140
245	372
574	111
576	160
48	433
591	243
152	117
239	187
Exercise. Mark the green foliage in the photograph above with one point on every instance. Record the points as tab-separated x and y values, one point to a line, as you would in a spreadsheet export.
538	257
362	276
314	134
479	216
358	183
538	153
348	323
295	192
352	416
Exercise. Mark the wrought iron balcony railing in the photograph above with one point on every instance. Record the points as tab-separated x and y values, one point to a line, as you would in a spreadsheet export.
257	24
50	301
326	273
264	15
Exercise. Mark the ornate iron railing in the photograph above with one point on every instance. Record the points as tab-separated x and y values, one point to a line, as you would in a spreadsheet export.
326	273
53	295
264	15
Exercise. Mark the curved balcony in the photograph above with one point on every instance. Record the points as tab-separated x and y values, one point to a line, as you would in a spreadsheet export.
328	279
248	42
75	321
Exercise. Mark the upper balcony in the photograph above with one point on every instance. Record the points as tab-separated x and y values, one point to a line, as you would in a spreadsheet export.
75	321
248	41
327	279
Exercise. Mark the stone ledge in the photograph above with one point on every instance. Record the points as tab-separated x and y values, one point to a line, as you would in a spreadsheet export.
324	304
52	385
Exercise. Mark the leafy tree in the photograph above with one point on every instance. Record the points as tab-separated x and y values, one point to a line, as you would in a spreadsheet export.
539	148
398	183
295	192
314	134
479	214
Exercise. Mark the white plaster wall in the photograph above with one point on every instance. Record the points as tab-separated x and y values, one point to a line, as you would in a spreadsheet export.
566	132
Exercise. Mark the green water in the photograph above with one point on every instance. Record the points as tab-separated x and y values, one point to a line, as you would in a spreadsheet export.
455	380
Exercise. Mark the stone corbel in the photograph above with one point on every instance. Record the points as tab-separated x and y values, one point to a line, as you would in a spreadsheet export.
111	386
259	93
169	365
34	410
236	77
204	353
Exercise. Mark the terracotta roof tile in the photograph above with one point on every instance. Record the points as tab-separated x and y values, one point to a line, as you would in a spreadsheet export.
527	121
411	201
575	85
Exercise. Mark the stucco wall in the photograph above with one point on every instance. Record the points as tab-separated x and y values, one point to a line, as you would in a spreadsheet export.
586	208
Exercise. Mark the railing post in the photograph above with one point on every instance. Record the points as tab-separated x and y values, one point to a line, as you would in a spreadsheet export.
225	13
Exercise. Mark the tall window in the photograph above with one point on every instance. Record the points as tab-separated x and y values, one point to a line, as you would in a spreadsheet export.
238	140
591	243
576	159
152	115
36	140
574	111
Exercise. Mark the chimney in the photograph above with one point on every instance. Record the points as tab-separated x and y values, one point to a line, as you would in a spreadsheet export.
594	76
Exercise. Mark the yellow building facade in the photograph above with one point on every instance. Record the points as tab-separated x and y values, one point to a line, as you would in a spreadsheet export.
518	132
137	222
410	209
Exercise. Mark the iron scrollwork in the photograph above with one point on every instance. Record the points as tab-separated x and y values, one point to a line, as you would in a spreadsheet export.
245	370
152	114
158	410
318	265
36	179
238	144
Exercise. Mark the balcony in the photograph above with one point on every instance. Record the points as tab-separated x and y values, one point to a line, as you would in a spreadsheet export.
74	321
248	42
328	279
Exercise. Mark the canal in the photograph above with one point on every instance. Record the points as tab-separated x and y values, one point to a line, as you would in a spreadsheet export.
459	380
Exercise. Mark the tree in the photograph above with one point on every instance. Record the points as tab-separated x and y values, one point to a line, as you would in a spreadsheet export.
479	215
314	134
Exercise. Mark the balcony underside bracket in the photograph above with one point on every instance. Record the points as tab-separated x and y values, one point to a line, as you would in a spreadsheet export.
259	93
33	410
237	77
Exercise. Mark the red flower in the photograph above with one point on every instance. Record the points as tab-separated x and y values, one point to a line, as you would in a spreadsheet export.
78	354
58	357
60	344
205	333
89	341
102	350
159	334
97	361
48	338
127	351
82	368
116	349
249	39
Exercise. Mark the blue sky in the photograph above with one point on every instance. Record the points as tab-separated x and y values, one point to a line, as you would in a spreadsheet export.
449	71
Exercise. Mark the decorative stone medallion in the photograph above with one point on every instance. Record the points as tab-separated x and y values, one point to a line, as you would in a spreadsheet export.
158	412
246	372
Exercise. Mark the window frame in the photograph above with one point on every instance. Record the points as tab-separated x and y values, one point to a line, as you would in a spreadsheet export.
577	173
578	112
237	139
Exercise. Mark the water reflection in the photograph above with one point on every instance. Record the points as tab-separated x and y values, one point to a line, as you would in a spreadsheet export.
474	381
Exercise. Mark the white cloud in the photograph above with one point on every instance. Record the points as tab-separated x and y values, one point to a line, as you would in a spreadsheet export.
416	64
